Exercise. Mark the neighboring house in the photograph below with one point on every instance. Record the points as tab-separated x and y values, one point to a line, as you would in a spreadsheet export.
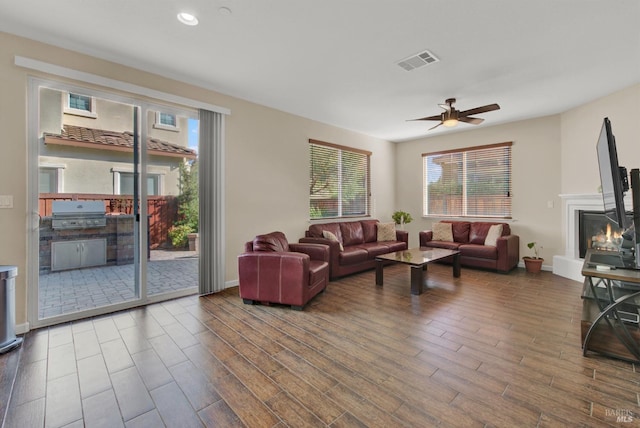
87	146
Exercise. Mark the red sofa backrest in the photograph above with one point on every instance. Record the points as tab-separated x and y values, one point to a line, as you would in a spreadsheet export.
347	232
479	229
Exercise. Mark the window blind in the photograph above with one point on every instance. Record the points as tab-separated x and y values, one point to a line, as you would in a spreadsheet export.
339	181
470	182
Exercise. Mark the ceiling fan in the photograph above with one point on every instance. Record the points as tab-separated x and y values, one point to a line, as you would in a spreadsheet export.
450	116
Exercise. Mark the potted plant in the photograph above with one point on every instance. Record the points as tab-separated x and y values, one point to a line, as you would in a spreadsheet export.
402	218
533	264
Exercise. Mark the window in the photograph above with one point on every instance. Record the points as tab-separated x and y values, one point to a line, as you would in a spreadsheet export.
339	182
471	182
50	179
166	121
124	184
80	105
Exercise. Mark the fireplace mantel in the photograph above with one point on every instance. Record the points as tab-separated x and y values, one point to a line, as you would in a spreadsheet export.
570	264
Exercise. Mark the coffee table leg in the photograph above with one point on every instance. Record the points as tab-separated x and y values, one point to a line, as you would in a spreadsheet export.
417	279
456	265
379	266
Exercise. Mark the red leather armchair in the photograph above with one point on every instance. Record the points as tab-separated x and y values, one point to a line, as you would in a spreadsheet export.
273	271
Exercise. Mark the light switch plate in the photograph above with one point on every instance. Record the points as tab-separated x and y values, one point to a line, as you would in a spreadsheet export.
6	201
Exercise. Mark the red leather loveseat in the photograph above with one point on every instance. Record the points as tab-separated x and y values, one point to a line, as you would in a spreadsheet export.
470	239
271	270
356	245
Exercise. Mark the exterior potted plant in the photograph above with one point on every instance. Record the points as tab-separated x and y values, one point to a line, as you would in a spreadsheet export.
402	218
533	264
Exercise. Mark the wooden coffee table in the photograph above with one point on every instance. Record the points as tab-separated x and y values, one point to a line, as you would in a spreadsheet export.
418	259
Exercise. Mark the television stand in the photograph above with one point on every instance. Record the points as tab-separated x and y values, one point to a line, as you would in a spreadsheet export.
610	311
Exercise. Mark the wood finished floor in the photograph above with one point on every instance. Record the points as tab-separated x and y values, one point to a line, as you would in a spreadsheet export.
484	349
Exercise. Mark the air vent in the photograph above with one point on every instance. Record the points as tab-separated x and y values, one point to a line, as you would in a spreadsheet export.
418	60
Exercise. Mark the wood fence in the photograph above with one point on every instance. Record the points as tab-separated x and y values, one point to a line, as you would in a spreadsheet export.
162	210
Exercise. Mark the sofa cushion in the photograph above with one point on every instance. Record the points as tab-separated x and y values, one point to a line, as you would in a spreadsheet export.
394	246
460	231
443	244
315	230
331	237
442	232
495	231
274	241
375	249
353	255
479	251
370	230
478	232
386	232
352	233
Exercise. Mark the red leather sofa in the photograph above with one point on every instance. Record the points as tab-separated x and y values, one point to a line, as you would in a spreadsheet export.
271	270
360	245
469	239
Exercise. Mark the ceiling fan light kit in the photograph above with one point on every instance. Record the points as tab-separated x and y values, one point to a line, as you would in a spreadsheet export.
450	117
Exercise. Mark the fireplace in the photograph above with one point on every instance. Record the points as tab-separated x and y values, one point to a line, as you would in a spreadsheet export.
595	230
569	264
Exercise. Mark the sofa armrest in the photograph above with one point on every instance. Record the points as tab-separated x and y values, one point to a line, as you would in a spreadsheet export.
260	273
403	235
315	251
425	236
334	253
508	252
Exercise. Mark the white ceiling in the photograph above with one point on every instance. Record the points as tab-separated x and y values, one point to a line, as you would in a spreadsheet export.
334	61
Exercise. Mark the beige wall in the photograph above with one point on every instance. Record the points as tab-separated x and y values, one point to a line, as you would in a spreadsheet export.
581	128
266	159
536	177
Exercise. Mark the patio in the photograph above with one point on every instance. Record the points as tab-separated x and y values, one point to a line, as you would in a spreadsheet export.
81	289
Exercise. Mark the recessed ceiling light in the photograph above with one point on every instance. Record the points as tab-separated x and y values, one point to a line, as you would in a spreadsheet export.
224	11
187	18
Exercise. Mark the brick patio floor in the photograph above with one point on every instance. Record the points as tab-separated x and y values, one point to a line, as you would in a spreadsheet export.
81	289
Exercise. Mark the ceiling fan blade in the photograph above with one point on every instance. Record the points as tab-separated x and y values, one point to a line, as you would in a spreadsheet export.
478	110
471	120
434	127
434	117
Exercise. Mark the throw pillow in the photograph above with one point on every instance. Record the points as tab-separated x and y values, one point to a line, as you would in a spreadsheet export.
386	232
494	233
442	232
331	237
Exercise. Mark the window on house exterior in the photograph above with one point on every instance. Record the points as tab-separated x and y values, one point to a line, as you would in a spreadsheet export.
470	182
166	121
81	105
339	182
125	184
50	179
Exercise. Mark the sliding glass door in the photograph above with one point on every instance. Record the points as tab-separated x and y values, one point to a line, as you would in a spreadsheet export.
117	206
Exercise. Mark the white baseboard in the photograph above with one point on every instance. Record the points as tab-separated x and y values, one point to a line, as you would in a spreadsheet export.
23	328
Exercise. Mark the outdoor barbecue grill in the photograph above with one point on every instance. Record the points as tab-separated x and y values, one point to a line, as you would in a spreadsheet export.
68	215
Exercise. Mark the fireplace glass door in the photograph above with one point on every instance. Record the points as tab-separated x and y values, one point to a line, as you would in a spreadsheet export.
598	232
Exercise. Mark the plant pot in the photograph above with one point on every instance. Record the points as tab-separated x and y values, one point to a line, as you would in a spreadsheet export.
193	241
533	265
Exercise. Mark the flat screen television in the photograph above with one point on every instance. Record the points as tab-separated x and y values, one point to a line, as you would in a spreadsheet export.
613	178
